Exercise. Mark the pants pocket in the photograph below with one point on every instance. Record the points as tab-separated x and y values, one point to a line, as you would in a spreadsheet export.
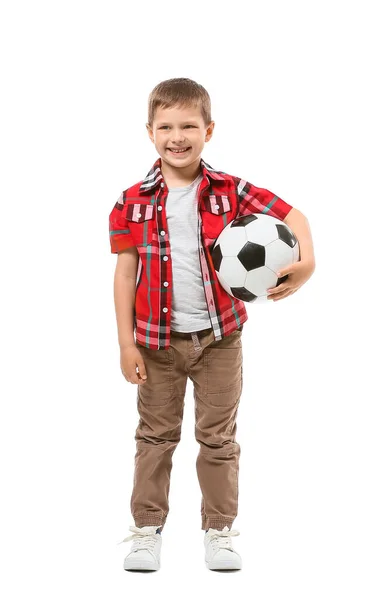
223	373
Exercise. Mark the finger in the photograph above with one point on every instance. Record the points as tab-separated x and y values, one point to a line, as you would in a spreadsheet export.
280	296
277	290
280	293
141	372
136	379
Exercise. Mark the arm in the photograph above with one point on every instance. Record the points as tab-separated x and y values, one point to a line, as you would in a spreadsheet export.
124	295
253	199
119	231
298	223
123	245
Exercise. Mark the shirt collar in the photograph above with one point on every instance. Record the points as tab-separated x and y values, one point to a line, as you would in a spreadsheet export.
155	177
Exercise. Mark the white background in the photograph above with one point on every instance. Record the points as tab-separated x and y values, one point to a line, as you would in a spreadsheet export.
288	83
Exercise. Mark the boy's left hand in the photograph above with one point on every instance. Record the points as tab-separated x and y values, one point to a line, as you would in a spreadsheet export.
298	273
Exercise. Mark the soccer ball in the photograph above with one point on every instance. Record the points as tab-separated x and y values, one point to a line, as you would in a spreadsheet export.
248	254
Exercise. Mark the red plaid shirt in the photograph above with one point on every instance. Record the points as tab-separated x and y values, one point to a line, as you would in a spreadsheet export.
139	219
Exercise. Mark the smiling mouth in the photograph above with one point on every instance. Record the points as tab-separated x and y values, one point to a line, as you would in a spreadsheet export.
184	151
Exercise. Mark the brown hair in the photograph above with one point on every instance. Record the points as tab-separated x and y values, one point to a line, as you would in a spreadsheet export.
182	93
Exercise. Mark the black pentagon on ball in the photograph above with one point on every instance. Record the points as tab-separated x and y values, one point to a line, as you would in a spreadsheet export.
286	236
252	256
216	257
243	294
243	221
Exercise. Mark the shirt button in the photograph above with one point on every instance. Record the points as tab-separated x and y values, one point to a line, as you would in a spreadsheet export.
165	284
159	208
165	309
165	258
217	206
163	233
138	215
162	184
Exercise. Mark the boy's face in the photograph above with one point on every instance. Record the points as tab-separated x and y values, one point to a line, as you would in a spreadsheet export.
179	128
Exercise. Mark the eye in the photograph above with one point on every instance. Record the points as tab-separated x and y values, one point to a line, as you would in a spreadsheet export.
164	126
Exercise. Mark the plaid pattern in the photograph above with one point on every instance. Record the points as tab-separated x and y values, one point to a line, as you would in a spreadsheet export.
217	204
138	213
138	218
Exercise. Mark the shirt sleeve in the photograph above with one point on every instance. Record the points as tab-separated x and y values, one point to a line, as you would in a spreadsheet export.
253	199
119	232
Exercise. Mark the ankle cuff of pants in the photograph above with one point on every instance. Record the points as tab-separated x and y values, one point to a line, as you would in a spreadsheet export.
216	522
148	519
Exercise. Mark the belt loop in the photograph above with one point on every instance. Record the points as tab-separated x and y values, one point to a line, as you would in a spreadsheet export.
195	339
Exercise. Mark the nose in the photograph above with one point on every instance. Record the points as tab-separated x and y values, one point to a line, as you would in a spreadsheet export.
178	137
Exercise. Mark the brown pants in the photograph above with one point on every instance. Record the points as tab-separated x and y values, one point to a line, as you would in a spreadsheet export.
216	370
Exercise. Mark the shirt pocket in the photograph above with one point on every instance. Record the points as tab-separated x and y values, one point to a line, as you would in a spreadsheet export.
216	214
140	218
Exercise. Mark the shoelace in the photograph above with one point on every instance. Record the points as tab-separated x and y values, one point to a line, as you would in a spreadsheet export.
221	539
144	538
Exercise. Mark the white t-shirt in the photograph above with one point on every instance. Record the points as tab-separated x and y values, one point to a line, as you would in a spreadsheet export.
189	307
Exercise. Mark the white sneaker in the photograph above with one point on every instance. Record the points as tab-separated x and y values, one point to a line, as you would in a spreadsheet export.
219	551
145	550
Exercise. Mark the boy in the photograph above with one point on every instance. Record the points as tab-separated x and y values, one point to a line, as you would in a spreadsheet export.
186	324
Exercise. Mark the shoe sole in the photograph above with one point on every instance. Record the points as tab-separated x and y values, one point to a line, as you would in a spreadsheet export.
223	564
141	565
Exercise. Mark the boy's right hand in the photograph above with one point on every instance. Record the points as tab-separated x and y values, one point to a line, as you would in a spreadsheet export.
130	359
